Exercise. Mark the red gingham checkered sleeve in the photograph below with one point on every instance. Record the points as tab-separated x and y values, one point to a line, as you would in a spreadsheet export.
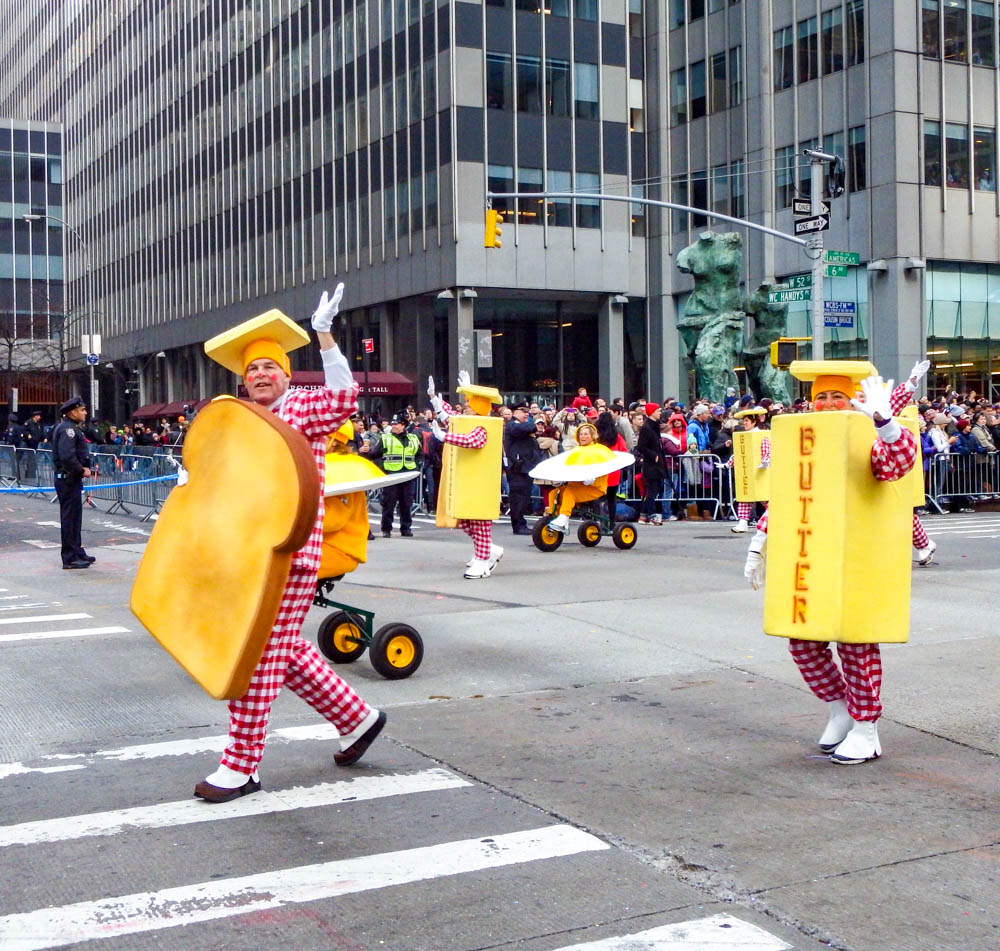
472	440
899	398
892	460
762	522
765	450
317	413
449	409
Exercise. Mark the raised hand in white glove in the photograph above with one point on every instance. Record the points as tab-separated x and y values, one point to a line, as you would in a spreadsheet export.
327	308
463	378
431	388
437	430
753	570
918	372
876	399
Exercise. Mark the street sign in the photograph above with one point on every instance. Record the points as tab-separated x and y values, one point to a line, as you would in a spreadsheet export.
835	270
804	207
799	280
94	407
816	223
93	359
841	320
789	296
369	344
842	257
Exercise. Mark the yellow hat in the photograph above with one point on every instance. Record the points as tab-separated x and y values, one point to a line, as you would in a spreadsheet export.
843	375
271	334
752	411
481	398
345	434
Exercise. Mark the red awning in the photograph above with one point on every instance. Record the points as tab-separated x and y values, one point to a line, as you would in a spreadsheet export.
149	411
382	383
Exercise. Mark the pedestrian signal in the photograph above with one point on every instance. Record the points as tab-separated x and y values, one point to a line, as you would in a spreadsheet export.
783	353
491	238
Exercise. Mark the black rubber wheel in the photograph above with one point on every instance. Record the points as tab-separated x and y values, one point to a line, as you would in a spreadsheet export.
589	533
625	536
544	539
340	639
396	651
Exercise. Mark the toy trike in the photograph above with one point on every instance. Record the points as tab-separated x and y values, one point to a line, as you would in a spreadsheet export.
597	524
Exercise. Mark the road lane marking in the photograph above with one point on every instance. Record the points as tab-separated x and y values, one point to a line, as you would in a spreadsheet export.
128	529
43	617
39	543
72	632
718	933
142	912
203	744
17	769
189	811
13	597
49	524
29	605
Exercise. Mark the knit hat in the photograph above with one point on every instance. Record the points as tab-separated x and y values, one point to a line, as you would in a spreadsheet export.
746	399
650	408
941	420
962	424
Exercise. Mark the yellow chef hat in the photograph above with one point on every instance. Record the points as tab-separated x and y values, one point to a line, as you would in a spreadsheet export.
481	398
271	334
843	375
345	433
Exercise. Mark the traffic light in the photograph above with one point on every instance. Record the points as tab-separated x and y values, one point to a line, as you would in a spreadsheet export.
783	353
491	238
835	181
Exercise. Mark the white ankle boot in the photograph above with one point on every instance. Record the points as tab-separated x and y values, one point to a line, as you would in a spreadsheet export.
837	726
740	527
478	568
496	553
926	555
559	524
859	746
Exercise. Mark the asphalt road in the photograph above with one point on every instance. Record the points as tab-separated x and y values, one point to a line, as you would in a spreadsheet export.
598	744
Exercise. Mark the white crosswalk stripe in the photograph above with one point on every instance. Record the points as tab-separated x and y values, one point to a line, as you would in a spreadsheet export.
13	615
717	933
70	632
206	901
188	811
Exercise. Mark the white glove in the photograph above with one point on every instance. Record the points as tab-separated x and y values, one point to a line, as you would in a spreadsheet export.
876	398
182	475
431	388
918	372
753	570
588	481
463	378
437	430
437	404
764	464
327	309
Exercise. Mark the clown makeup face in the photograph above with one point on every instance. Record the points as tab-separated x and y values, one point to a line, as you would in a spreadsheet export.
265	381
831	400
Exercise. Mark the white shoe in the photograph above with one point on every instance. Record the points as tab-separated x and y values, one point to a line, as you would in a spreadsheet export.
740	527
926	555
837	726
559	524
478	568
496	553
859	746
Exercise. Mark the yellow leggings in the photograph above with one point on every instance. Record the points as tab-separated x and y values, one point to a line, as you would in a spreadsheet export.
574	493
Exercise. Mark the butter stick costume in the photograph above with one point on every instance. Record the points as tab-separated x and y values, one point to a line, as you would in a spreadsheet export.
839	529
259	353
469	490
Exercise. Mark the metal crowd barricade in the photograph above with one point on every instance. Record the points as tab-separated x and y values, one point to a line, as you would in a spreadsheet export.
965	478
692	479
8	465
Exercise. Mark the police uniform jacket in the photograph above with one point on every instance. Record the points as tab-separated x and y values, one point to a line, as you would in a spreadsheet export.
69	450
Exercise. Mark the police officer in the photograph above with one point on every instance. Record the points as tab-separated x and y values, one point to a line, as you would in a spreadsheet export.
34	437
397	450
72	464
522	453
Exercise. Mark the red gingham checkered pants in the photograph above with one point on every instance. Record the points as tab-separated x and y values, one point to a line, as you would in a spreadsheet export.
920	539
859	684
744	510
481	533
288	659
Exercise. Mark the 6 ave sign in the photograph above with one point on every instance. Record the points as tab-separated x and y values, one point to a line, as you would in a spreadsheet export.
816	223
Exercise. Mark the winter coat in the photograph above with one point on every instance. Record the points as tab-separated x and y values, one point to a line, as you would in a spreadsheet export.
650	451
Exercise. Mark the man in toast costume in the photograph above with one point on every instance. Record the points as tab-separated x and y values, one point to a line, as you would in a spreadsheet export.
469	489
838	530
258	350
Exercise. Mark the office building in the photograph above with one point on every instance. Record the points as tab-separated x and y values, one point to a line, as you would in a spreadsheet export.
223	158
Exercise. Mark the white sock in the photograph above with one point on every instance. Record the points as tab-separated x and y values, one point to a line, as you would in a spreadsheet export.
226	778
349	739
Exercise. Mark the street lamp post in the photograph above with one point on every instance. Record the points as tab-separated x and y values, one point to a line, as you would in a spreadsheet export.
90	296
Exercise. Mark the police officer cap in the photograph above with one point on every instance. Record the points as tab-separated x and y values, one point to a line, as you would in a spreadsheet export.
523	406
400	418
72	403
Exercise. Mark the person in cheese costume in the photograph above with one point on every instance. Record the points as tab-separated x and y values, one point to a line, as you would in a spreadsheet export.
751	420
345	517
486	555
259	353
852	696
